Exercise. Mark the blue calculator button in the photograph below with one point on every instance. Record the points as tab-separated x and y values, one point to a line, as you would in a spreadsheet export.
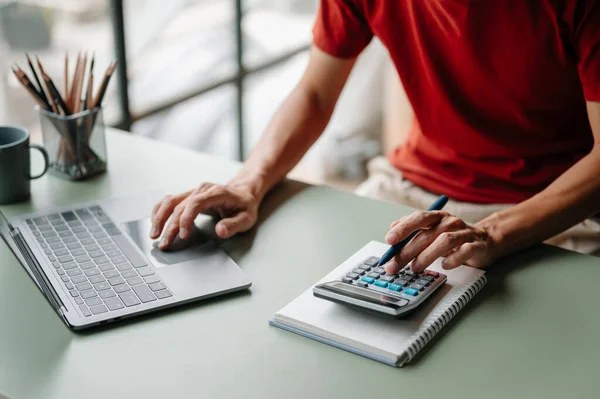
367	279
380	283
411	291
394	287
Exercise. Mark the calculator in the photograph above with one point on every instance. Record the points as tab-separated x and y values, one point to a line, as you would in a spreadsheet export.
367	286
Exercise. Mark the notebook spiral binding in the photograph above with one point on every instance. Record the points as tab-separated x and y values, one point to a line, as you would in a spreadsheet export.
422	337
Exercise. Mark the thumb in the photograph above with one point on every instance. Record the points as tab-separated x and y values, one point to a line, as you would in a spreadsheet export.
231	226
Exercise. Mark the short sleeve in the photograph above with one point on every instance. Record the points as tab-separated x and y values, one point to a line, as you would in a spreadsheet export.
341	28
586	41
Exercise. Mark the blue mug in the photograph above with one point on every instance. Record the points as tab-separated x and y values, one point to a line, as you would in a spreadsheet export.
15	164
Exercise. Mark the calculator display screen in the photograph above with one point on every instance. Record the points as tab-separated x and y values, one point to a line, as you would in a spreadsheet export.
365	295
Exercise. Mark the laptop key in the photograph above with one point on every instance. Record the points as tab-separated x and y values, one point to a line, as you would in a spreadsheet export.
74	272
88	294
102	259
78	252
97	279
129	251
104	241
113	254
41	240
65	234
45	227
129	299
85	310
162	294
61	252
68	216
99	309
91	247
83	214
49	233
116	281
78	229
65	259
94	228
119	259
83	234
52	240
144	293
134	281
53	216
106	267
106	294
87	241
95	254
70	240
56	265
84	286
129	274
69	286
111	274
101	286
82	258
57	245
48	251
69	265
99	234
151	279
78	300
51	258
121	288
93	301
60	271
79	279
109	247
145	271
73	245
157	286
114	303
92	272
124	266
87	265
44	245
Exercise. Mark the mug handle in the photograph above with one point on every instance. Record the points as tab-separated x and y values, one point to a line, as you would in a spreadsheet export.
46	160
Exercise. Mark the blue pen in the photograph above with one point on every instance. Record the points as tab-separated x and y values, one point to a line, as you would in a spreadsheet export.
394	249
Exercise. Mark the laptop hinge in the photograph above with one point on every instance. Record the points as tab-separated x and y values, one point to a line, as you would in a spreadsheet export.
36	270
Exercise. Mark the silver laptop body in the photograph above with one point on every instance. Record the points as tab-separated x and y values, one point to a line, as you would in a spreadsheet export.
95	262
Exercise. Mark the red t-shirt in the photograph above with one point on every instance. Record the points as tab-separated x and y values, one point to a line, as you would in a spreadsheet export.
498	87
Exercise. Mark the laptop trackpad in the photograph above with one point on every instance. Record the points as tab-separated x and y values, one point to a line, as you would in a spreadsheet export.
198	245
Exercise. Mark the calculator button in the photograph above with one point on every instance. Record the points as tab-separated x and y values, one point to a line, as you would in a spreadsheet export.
380	283
411	291
365	267
379	270
432	273
423	282
362	284
372	261
388	278
410	273
367	279
402	281
426	278
419	287
358	271
353	276
395	287
373	275
347	280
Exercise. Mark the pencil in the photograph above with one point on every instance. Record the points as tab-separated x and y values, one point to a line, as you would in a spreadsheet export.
77	98
35	76
90	85
26	83
66	93
74	82
54	92
104	84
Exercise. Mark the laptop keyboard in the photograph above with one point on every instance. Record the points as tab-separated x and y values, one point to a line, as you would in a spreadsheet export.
97	264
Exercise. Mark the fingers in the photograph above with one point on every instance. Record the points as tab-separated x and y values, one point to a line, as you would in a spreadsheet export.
413	222
162	211
426	237
241	222
392	267
196	204
172	228
444	243
465	252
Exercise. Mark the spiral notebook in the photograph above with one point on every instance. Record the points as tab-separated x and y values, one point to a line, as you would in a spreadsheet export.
391	341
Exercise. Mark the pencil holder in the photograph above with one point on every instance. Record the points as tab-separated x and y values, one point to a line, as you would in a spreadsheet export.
76	143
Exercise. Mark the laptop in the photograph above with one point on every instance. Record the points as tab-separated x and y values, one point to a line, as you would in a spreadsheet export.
96	264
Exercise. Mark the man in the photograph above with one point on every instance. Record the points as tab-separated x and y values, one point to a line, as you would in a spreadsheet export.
506	95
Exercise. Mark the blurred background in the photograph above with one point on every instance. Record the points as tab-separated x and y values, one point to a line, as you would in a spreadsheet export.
205	75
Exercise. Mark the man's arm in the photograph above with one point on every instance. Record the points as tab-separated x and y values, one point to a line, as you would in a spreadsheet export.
570	199
294	128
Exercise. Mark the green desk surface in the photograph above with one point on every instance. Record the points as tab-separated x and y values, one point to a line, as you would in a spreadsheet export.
532	333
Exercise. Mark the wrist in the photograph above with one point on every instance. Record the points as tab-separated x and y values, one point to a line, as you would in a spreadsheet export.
493	227
252	183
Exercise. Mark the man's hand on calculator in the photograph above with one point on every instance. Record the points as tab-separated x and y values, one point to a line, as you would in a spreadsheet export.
442	234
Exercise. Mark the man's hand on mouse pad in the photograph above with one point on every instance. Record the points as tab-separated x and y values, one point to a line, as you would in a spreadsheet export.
234	204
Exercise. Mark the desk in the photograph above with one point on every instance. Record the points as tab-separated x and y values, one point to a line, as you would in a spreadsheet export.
533	332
